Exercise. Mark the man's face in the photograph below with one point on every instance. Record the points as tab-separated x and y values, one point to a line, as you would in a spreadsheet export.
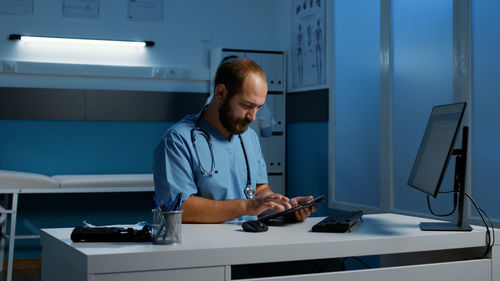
238	111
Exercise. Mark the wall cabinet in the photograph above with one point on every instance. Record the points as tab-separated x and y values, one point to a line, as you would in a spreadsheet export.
273	146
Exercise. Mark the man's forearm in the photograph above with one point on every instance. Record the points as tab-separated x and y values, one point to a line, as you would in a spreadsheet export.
262	189
202	210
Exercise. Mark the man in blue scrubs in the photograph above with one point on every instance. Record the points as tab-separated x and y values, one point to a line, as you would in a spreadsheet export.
213	180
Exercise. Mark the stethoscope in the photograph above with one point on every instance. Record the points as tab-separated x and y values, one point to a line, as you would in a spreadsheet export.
249	191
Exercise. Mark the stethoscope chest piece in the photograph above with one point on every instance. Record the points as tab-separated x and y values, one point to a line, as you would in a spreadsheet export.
249	192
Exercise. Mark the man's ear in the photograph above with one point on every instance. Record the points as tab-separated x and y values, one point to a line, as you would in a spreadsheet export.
220	91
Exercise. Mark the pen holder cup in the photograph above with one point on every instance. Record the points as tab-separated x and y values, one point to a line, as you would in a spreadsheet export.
167	227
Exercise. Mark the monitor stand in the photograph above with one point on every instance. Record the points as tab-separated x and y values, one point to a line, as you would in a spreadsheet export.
458	187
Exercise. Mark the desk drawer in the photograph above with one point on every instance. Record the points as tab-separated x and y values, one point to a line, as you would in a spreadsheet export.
191	274
450	271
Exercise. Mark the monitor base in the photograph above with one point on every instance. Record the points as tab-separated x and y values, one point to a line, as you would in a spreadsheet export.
443	226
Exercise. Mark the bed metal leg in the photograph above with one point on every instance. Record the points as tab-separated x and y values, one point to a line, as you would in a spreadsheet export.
3	227
12	236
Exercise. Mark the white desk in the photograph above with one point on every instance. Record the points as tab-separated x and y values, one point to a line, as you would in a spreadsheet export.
208	251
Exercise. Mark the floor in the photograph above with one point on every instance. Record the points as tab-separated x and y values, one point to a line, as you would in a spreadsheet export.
24	270
24	275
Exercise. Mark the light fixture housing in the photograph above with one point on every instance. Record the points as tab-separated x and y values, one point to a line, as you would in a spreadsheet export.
29	38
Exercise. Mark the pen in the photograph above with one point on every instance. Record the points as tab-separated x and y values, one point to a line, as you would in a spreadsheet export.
180	205
156	204
177	202
163	222
169	205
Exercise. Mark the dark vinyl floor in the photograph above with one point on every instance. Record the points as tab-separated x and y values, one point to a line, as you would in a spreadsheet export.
24	275
24	270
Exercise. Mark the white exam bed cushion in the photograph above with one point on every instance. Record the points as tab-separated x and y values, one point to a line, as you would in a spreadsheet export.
18	180
113	180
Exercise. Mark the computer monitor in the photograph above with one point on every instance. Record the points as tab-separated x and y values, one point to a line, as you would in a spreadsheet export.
434	153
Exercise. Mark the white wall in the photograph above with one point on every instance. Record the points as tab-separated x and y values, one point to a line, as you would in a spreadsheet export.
190	28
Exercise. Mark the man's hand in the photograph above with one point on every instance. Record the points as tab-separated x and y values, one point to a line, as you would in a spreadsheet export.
268	200
303	213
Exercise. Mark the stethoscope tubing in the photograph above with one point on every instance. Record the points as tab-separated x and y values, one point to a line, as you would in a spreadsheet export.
249	191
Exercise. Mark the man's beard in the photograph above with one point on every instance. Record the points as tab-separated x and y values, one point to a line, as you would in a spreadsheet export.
234	126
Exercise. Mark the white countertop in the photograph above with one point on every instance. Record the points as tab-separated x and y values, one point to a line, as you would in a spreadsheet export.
205	245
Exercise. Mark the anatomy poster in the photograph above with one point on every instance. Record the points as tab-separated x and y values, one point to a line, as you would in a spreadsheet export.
308	43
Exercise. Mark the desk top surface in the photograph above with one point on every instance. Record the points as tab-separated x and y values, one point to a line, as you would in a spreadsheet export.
224	244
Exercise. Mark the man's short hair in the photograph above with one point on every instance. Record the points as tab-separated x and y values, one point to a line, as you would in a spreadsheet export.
233	71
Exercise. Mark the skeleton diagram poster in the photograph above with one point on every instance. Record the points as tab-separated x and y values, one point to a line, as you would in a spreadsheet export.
308	43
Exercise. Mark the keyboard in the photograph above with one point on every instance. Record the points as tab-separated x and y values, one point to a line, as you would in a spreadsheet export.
340	222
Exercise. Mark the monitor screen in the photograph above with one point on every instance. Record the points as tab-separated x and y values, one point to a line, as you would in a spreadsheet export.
436	148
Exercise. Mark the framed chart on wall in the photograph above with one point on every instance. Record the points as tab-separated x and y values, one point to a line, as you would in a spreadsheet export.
308	52
81	9
16	7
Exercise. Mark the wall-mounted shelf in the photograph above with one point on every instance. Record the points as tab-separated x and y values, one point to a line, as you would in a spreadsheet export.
109	71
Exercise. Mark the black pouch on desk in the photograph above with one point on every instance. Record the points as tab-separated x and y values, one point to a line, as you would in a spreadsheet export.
110	234
340	221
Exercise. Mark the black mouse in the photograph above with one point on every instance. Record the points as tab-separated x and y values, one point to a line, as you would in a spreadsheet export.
254	226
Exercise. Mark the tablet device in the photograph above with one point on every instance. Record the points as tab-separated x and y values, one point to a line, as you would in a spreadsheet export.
293	209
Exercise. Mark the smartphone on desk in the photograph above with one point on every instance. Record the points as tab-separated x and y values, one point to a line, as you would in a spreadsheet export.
285	213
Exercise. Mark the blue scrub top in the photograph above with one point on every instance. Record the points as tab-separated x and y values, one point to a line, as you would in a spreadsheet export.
176	168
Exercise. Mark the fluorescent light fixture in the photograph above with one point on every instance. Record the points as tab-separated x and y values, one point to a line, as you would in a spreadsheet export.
79	41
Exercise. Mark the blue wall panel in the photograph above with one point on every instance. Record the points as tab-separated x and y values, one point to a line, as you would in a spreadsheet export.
485	150
423	77
78	147
307	161
357	101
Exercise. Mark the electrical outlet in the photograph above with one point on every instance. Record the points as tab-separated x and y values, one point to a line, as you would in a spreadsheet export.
9	66
158	73
170	74
185	74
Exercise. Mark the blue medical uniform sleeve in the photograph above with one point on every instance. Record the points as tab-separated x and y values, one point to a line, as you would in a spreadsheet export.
172	168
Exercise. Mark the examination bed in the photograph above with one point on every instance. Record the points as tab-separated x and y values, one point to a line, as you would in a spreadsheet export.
14	184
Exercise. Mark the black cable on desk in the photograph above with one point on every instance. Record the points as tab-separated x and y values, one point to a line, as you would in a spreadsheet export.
490	236
442	215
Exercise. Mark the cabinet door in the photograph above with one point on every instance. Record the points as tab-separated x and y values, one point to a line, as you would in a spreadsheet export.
272	65
279	112
276	183
232	53
276	154
275	66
